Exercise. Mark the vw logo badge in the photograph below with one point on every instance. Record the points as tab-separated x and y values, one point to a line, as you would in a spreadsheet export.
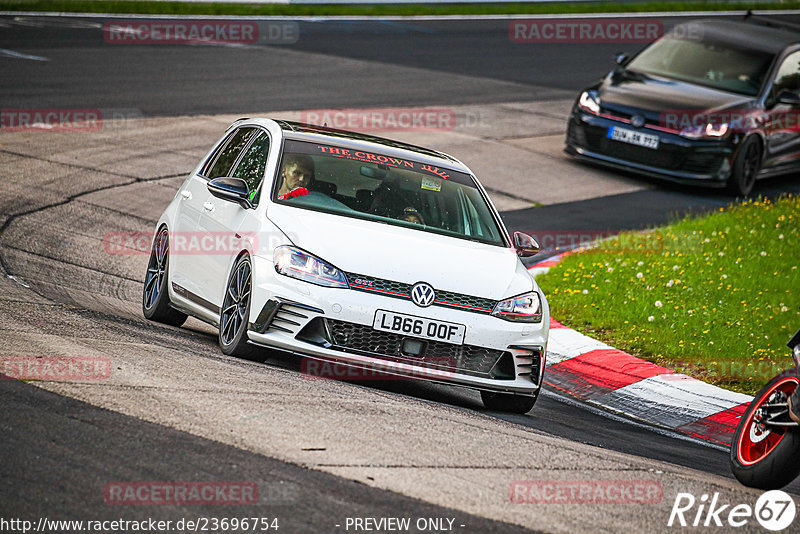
422	294
637	121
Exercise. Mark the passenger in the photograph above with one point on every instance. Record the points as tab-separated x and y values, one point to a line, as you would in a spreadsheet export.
413	216
297	175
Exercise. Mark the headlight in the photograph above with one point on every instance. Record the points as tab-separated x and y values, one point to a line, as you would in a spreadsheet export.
588	102
291	261
709	130
525	308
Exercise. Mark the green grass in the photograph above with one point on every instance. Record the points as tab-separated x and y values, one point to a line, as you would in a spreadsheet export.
714	297
189	8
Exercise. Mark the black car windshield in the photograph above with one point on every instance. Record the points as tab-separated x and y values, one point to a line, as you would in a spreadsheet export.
705	63
398	191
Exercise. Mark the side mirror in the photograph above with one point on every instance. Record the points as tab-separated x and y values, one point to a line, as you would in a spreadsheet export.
788	97
232	190
526	245
620	58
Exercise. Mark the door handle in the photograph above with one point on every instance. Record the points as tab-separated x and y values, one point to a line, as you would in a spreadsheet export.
186	194
208	206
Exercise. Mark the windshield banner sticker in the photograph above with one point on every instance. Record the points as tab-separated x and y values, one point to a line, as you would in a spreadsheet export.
368	157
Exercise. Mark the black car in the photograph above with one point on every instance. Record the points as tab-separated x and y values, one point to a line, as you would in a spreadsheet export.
713	102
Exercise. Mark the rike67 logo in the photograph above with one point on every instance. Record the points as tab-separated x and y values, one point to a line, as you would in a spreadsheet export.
775	510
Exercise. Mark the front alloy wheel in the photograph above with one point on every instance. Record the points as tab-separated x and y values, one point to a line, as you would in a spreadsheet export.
155	296
745	168
235	314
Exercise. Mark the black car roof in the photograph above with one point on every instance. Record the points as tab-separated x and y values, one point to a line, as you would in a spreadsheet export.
344	134
752	35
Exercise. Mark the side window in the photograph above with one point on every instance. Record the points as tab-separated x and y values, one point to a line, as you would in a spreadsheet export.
254	162
226	159
788	77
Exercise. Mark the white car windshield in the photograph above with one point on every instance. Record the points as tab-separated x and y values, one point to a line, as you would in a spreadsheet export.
372	186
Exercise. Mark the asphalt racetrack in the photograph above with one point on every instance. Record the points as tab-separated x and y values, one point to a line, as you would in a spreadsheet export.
320	452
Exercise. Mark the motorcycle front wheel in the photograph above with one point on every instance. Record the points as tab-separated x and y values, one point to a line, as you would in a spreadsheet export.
766	456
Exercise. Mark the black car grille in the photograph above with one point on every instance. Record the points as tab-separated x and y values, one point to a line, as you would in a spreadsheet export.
466	359
667	156
661	157
401	290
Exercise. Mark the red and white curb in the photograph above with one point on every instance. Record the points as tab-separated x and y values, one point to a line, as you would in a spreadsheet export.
602	375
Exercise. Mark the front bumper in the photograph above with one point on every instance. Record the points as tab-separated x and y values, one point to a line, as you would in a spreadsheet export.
336	325
678	159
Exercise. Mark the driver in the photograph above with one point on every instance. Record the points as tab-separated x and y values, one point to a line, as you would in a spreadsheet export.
297	175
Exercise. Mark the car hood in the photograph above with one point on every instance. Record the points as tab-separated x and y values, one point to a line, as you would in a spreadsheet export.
631	93
405	255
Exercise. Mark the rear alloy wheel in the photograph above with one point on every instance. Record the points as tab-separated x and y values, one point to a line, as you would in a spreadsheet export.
155	295
745	168
507	402
235	314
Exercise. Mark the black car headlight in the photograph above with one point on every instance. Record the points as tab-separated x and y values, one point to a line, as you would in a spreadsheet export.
588	101
709	130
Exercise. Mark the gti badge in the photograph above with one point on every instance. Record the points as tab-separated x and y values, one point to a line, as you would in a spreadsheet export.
637	121
422	294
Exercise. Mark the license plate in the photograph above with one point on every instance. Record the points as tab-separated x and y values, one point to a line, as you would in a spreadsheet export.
419	327
633	137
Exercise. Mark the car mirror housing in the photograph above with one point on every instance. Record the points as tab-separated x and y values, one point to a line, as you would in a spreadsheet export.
526	245
620	58
231	189
788	97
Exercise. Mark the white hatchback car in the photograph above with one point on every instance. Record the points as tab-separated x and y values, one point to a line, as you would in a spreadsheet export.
347	248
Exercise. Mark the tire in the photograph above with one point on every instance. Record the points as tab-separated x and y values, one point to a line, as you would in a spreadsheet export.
235	313
745	168
155	293
772	461
507	402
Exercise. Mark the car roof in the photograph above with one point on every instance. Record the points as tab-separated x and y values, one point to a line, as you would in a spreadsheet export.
753	34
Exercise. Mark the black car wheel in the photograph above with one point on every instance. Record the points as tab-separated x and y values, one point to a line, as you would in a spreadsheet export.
745	167
235	314
155	296
506	402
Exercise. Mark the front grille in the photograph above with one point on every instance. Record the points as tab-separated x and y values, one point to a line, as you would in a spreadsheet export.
667	156
466	359
662	157
401	290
